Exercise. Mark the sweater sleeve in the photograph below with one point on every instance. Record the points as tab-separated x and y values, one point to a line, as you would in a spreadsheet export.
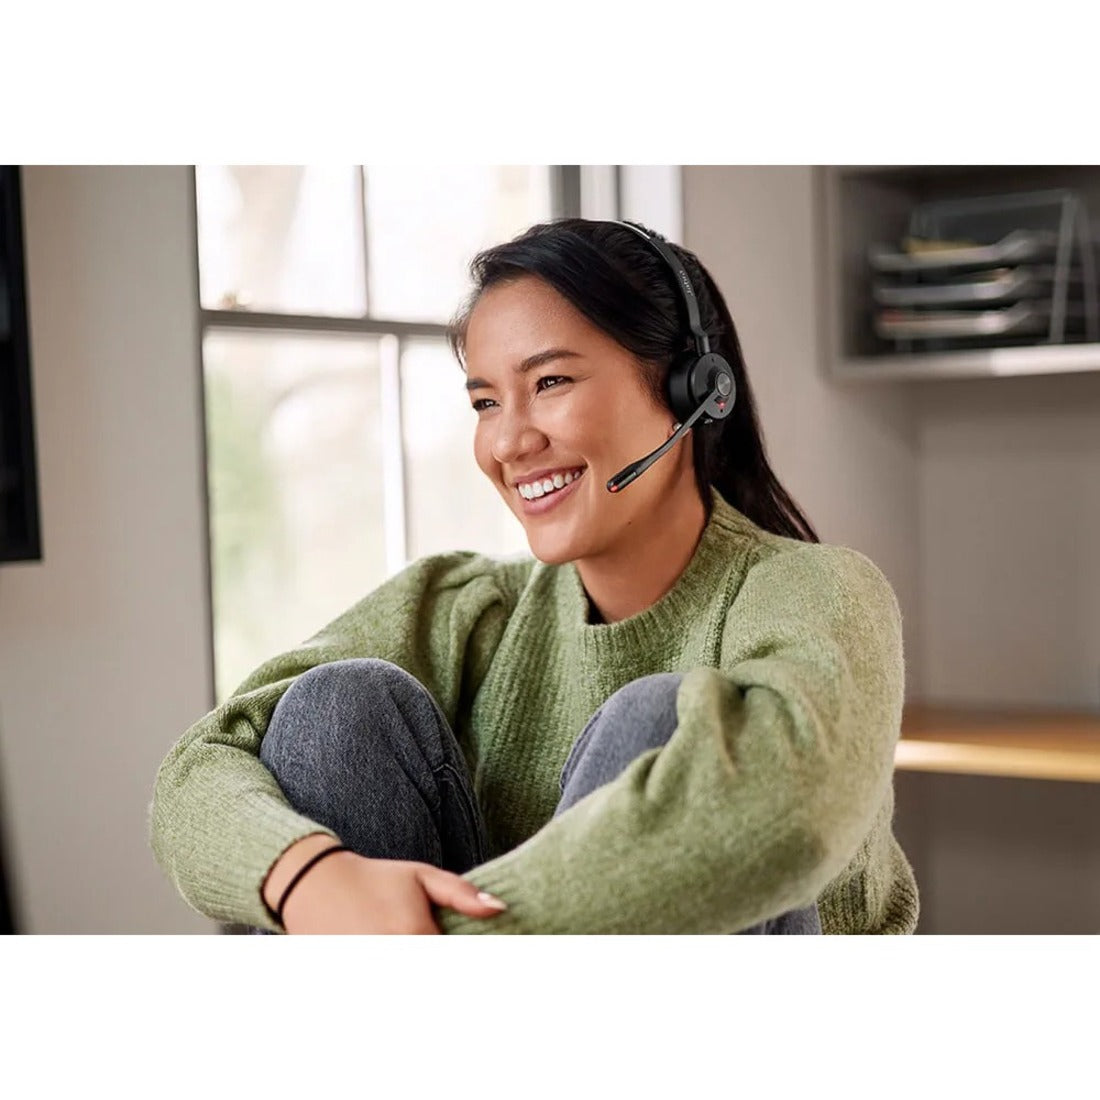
780	760
218	820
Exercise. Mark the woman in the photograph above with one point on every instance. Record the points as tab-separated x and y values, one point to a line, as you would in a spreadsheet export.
679	716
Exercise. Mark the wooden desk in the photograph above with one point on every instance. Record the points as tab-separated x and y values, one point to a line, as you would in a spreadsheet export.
1025	743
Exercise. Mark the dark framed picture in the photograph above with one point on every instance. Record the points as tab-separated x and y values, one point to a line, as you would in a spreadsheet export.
20	538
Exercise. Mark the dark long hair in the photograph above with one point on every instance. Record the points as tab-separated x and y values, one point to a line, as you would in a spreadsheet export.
624	287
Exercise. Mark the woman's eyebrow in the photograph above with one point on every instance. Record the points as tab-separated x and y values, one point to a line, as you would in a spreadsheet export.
532	361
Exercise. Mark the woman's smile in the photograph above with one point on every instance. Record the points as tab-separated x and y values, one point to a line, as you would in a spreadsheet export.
552	498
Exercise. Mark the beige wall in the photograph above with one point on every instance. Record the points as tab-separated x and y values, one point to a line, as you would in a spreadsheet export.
1010	539
104	645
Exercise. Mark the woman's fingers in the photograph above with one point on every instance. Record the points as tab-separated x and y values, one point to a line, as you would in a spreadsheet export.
445	888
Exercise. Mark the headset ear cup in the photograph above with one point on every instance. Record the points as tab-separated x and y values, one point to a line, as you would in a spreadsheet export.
681	393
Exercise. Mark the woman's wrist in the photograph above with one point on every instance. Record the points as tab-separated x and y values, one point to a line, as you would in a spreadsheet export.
284	869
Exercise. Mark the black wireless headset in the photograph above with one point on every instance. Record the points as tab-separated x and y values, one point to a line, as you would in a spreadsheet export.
700	383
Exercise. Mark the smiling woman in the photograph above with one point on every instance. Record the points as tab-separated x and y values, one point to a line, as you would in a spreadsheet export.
677	715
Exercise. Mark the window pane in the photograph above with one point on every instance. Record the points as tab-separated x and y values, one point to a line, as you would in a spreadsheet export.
451	505
284	239
296	493
424	225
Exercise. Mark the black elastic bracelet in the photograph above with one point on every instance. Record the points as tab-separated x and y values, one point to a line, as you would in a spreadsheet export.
298	877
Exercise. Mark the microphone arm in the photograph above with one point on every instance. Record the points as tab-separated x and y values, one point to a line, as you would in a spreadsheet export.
625	476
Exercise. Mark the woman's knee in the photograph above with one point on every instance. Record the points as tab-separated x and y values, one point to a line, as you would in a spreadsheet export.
356	745
650	698
640	716
329	703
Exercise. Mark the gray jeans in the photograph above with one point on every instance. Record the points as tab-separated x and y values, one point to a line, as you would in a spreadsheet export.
362	747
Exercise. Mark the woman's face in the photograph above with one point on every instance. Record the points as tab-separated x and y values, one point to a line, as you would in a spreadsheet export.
584	408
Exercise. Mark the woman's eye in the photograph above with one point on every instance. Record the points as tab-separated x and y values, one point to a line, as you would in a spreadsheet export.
485	402
553	378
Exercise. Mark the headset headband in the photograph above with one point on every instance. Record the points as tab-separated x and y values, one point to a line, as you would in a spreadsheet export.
702	342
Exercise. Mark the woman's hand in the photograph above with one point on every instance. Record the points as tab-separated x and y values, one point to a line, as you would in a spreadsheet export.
347	894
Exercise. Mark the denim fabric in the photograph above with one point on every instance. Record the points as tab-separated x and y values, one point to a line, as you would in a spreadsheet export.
362	747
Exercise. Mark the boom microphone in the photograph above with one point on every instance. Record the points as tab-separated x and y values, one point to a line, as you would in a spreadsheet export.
715	405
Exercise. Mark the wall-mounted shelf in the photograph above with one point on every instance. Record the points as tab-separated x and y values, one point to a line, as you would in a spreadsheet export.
866	205
1022	743
980	363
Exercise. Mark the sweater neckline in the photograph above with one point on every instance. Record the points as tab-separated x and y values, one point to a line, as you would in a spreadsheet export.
693	589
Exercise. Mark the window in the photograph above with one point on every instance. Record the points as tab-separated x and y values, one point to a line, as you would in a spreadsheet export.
339	440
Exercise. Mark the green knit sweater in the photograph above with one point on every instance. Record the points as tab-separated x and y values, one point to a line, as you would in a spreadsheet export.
774	791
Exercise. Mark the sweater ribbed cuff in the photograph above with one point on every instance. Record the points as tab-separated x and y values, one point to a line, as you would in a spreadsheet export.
232	891
496	880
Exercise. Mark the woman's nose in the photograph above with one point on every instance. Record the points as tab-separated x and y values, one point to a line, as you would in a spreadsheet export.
514	435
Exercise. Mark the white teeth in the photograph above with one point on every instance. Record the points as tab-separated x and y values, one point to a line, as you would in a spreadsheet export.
538	489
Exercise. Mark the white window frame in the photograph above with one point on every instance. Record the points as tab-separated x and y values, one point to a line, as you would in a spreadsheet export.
565	200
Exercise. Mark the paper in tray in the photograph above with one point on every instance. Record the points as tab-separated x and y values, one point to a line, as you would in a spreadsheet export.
999	285
1018	247
1023	318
